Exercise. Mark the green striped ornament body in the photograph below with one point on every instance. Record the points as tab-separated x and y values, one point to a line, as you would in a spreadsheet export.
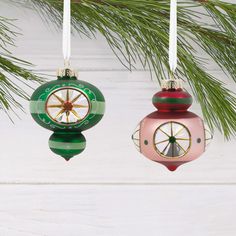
67	140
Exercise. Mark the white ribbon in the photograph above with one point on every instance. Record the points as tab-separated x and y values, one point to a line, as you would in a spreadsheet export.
173	36
67	32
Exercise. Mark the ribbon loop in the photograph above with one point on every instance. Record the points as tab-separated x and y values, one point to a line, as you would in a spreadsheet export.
67	32
173	36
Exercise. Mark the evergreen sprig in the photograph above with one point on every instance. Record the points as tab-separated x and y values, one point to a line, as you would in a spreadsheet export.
14	75
137	31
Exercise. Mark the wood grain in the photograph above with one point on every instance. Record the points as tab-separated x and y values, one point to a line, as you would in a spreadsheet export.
119	211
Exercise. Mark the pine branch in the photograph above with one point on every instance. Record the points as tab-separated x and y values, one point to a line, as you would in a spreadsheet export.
14	73
137	31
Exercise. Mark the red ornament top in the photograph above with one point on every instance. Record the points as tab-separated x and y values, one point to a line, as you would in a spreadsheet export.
172	98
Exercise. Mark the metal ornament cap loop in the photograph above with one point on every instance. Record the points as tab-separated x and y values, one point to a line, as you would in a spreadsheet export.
172	84
66	73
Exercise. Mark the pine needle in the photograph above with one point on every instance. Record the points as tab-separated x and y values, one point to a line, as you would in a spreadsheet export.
14	75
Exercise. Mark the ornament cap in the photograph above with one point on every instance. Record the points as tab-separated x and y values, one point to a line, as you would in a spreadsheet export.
174	84
67	73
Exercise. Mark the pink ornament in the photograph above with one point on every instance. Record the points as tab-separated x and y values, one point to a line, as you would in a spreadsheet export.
171	135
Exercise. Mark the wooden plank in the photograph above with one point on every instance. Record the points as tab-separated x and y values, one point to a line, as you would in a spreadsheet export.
119	211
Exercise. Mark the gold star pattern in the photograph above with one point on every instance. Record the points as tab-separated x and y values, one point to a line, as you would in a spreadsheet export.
67	106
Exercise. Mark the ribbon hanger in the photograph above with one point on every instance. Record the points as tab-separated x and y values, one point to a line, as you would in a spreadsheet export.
67	32
173	37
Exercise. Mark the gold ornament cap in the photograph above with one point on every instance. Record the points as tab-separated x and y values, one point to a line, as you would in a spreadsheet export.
67	72
172	84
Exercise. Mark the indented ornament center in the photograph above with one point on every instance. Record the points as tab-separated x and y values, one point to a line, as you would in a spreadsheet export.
68	106
172	139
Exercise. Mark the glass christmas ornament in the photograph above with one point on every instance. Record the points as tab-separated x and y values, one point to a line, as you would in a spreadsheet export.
67	106
172	135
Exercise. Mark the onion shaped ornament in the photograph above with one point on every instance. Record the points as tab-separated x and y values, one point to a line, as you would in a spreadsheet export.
67	106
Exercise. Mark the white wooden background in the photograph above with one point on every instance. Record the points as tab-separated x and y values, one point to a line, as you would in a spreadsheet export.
109	190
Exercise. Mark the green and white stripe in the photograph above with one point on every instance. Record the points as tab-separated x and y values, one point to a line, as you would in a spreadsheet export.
172	100
97	108
37	107
67	145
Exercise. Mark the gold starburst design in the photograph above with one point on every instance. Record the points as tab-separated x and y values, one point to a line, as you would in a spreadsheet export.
172	140
67	106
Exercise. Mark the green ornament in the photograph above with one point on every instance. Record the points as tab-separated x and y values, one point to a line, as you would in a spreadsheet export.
67	106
